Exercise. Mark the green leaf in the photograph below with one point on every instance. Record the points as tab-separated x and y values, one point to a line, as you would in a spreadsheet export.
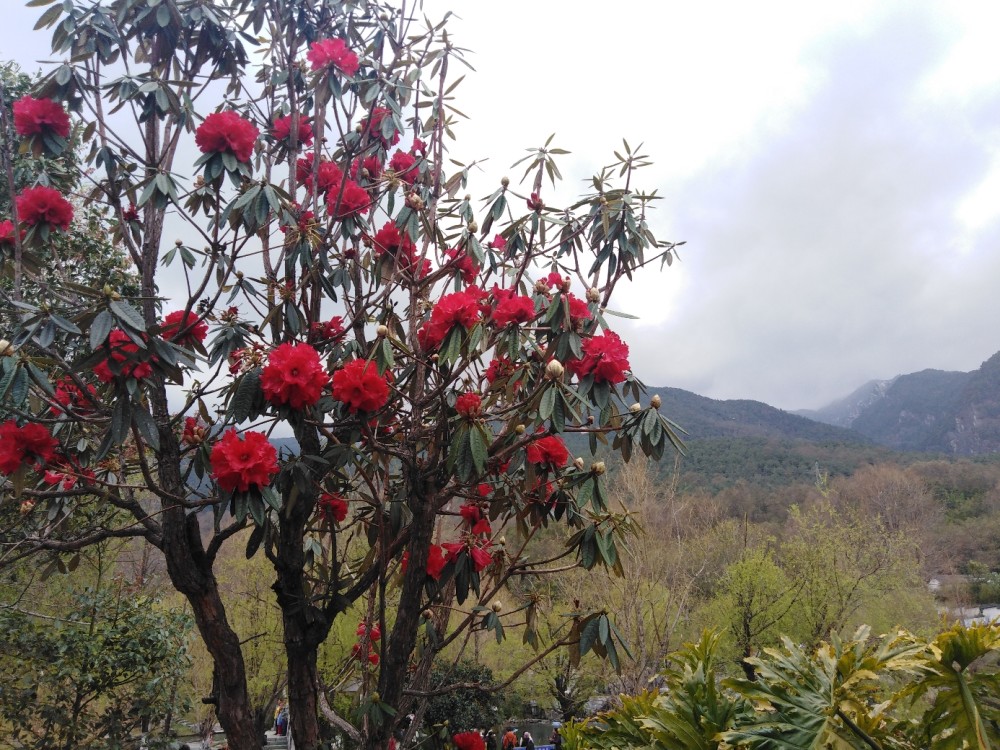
147	427
128	315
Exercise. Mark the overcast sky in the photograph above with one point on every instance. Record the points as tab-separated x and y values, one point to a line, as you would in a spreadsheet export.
833	167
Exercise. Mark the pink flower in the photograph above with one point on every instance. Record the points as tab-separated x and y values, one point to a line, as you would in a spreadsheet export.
227	132
326	53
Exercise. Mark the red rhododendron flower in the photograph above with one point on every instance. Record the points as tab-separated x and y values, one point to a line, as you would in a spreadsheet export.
44	205
471	513
122	351
241	463
353	200
513	310
499	368
498	243
326	53
32	443
459	308
578	311
374	124
405	166
227	132
183	329
66	473
469	405
332	507
482	527
358	385
68	395
481	558
535	202
7	233
40	117
549	451
131	213
331	329
195	431
390	240
605	357
463	263
366	170
469	741
437	559
281	129
293	376
553	280
329	174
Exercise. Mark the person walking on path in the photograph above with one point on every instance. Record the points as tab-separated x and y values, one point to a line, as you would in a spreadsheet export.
526	742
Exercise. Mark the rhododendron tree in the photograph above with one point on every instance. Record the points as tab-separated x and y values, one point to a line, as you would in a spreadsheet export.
305	279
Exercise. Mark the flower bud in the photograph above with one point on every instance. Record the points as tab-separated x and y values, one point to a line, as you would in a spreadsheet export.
656	402
519	429
382	331
27	506
473	227
593	294
178	243
598	467
6	348
497	606
554	370
427	614
578	463
414	201
505	181
376	697
635	408
502	541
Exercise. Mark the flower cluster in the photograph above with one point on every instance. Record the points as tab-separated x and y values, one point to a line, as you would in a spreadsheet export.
122	359
549	452
7	233
32	444
69	396
478	550
511	308
44	205
329	330
478	523
227	133
605	357
40	117
461	262
359	385
66	473
375	125
183	328
368	636
195	431
241	463
332	508
293	376
404	166
332	53
456	309
281	130
469	405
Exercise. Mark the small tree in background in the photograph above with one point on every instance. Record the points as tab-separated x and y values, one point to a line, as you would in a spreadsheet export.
427	352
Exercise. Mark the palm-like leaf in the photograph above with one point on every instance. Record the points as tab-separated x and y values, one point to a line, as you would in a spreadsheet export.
830	698
964	709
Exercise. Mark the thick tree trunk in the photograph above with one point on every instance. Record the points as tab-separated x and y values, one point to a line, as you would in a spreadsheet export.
403	639
305	625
